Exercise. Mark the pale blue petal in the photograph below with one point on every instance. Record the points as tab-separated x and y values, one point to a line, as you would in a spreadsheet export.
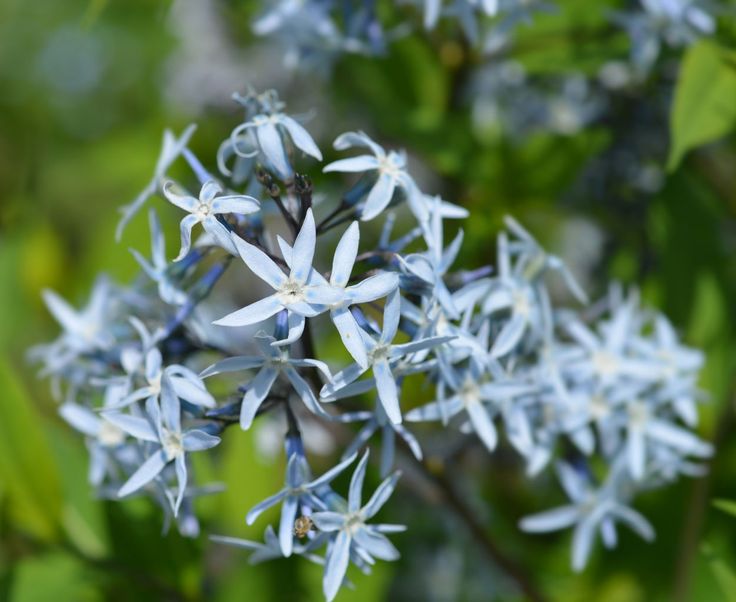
272	147
582	543
373	287
259	263
574	485
181	477
253	313
261	507
296	322
286	524
170	406
221	235
342	379
345	254
435	410
635	520
304	391
550	520
387	390
356	484
192	392
210	189
301	137
379	197
350	335
336	565
350	139
303	249
510	336
483	425
140	428
635	453
375	544
380	496
183	201
81	418
196	440
233	364
328	521
259	388
353	164
185	229
420	345
391	316
678	438
237	203
65	315
145	474
388	448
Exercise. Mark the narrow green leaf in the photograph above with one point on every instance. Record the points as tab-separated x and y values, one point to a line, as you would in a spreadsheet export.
28	472
727	506
704	107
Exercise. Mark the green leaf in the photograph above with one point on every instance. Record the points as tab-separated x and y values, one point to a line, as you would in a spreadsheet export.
28	472
704	107
52	577
727	506
724	575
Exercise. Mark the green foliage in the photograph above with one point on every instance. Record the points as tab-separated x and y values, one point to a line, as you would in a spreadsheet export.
704	107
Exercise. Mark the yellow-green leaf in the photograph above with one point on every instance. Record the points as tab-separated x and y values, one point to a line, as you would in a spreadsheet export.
704	108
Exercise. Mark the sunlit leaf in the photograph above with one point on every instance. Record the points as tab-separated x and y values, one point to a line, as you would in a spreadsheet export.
704	107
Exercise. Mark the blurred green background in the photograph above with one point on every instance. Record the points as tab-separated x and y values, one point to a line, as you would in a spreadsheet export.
87	87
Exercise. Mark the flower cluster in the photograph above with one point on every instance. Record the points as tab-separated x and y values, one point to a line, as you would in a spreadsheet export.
503	364
317	31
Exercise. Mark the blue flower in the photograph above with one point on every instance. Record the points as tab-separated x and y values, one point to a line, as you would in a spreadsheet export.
205	210
590	512
301	492
382	354
163	428
273	362
292	292
352	534
390	172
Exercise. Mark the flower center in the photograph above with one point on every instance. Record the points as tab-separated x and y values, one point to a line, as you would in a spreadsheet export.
521	303
172	445
605	363
391	164
353	522
598	408
203	210
110	435
291	292
469	393
380	352
638	414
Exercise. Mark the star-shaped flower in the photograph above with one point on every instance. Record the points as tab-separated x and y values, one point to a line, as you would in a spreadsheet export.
205	209
390	170
591	511
162	427
292	292
382	354
272	362
371	288
300	491
351	531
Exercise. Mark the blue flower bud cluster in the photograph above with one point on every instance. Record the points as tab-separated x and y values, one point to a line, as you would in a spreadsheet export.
604	393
